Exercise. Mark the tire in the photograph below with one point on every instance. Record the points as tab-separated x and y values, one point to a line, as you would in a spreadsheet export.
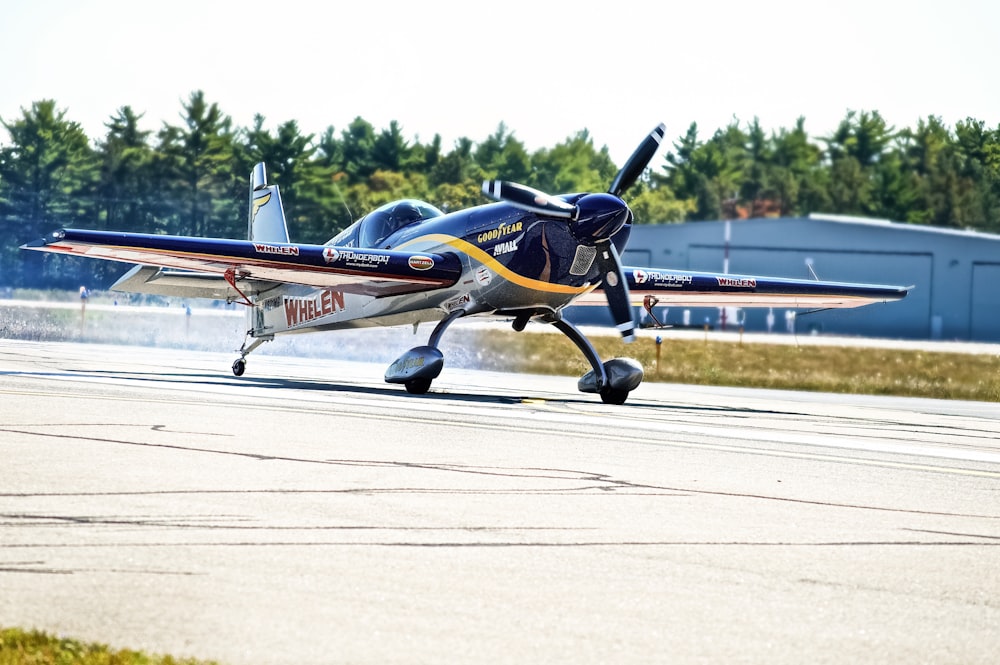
611	396
239	367
418	386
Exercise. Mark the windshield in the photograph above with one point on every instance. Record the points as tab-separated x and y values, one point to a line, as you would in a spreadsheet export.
382	222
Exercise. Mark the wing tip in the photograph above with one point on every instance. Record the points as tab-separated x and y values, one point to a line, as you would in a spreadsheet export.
44	241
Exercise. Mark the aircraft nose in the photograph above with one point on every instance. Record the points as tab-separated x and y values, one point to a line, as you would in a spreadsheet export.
600	217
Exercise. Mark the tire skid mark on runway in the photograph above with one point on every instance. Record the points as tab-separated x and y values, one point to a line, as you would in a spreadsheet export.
773	433
39	567
678	492
321	408
36	520
32	520
893	430
731	448
640	489
155	428
606	486
792	437
528	544
875	443
949	533
702	429
603	482
584	491
61	520
584	408
898	431
597	481
36	568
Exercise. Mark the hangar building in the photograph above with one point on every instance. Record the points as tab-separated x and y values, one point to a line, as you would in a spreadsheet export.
955	274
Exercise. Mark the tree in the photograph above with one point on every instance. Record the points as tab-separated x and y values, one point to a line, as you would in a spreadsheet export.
756	191
854	150
798	179
863	136
457	166
573	166
657	204
330	150
312	208
679	168
47	174
432	154
126	189
707	175
193	180
389	149
199	174
358	144
979	154
503	156
385	186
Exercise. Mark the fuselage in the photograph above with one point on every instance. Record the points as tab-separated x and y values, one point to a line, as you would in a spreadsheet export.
513	261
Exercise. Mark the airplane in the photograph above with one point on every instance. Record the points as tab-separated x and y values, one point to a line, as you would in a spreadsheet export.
523	258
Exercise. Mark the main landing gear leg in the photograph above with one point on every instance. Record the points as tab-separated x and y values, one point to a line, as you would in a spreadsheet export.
240	365
419	366
613	380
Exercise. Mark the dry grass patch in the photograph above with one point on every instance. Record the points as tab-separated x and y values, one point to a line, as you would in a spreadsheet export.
836	369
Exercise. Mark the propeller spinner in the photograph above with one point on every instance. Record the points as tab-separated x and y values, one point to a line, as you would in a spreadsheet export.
594	219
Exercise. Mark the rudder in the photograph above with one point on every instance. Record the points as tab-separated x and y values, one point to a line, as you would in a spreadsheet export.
267	217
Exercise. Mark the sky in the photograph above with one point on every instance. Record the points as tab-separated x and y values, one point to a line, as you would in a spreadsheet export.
547	70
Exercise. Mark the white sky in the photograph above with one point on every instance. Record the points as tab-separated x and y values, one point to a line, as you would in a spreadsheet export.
546	69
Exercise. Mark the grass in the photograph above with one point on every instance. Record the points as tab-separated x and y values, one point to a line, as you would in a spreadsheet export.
22	647
860	370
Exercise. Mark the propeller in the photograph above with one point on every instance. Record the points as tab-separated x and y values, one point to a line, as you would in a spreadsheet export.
615	286
616	289
529	199
638	162
595	218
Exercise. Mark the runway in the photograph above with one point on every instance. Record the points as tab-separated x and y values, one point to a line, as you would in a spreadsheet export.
309	512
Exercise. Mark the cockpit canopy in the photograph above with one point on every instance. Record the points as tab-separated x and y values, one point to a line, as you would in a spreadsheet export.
372	229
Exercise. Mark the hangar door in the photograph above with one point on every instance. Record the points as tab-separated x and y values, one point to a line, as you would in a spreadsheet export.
985	304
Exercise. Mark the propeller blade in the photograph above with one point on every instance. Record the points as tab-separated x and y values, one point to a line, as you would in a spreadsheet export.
616	289
638	162
528	199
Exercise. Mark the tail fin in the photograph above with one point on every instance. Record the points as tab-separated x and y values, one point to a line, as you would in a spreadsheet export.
267	217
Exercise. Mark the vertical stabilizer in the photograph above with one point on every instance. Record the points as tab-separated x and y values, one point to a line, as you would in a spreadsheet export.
267	217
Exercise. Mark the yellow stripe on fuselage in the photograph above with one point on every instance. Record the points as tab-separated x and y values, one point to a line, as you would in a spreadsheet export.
477	254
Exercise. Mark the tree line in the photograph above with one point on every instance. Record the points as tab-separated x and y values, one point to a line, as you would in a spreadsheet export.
191	178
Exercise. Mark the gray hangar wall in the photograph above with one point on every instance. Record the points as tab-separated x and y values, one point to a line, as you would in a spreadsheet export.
955	274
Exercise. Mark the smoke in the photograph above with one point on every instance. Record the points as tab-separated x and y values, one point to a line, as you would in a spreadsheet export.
222	329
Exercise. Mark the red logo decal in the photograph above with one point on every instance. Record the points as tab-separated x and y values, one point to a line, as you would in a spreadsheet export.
421	262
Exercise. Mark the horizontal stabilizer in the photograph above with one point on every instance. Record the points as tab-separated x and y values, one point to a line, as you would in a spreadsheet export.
186	284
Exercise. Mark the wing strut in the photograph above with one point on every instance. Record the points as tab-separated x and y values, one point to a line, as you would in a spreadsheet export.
230	276
648	303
